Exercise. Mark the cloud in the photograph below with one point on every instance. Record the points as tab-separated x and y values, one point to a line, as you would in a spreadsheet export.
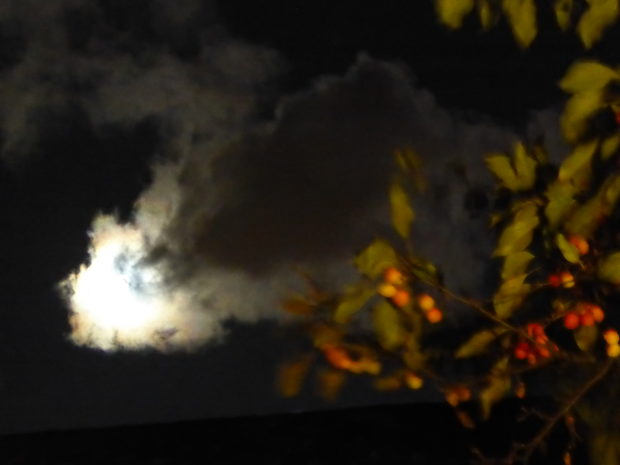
237	199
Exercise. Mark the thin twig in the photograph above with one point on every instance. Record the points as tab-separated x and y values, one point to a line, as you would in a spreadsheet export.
539	438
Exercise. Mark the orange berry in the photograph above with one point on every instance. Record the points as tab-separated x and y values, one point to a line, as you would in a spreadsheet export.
393	276
580	244
544	352
587	320
464	394
386	290
434	315
522	350
426	302
571	321
536	330
554	280
567	279
531	358
611	337
613	350
597	312
413	380
401	298
452	397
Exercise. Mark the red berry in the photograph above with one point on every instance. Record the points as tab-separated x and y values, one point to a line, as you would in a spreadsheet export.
587	320
401	298
522	350
535	330
571	321
554	280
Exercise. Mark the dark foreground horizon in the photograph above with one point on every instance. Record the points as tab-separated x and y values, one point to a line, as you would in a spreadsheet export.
426	434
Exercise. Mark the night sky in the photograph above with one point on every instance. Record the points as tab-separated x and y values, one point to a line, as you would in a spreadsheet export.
224	143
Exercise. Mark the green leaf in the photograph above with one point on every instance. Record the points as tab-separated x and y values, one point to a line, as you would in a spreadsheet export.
452	12
521	15
587	75
592	24
577	163
518	234
515	264
378	256
402	213
609	268
561	201
569	251
604	447
563	10
525	167
355	297
388	325
610	146
500	166
579	109
586	337
510	296
586	219
479	342
498	387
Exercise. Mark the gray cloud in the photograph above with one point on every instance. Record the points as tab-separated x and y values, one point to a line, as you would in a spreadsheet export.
239	200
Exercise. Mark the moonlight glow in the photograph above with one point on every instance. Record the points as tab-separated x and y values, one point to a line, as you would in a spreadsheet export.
116	300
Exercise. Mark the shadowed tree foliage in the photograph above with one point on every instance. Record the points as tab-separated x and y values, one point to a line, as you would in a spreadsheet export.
553	314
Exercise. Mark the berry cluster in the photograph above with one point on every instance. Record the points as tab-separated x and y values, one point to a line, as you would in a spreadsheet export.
612	338
583	314
563	279
427	304
392	287
457	394
534	351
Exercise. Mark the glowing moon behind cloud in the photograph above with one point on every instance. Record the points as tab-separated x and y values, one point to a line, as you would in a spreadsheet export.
116	300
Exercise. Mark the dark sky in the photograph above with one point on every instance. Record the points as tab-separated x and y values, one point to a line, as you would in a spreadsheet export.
239	139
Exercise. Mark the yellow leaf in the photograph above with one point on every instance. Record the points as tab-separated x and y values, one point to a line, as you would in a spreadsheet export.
354	299
578	162
291	376
510	296
378	256
518	234
521	15
479	342
498	387
500	166
560	202
587	75
452	12
586	337
525	167
569	251
592	24
402	213
410	163
324	335
610	146
563	10
515	264
388	325
611	191
609	268
579	109
485	13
